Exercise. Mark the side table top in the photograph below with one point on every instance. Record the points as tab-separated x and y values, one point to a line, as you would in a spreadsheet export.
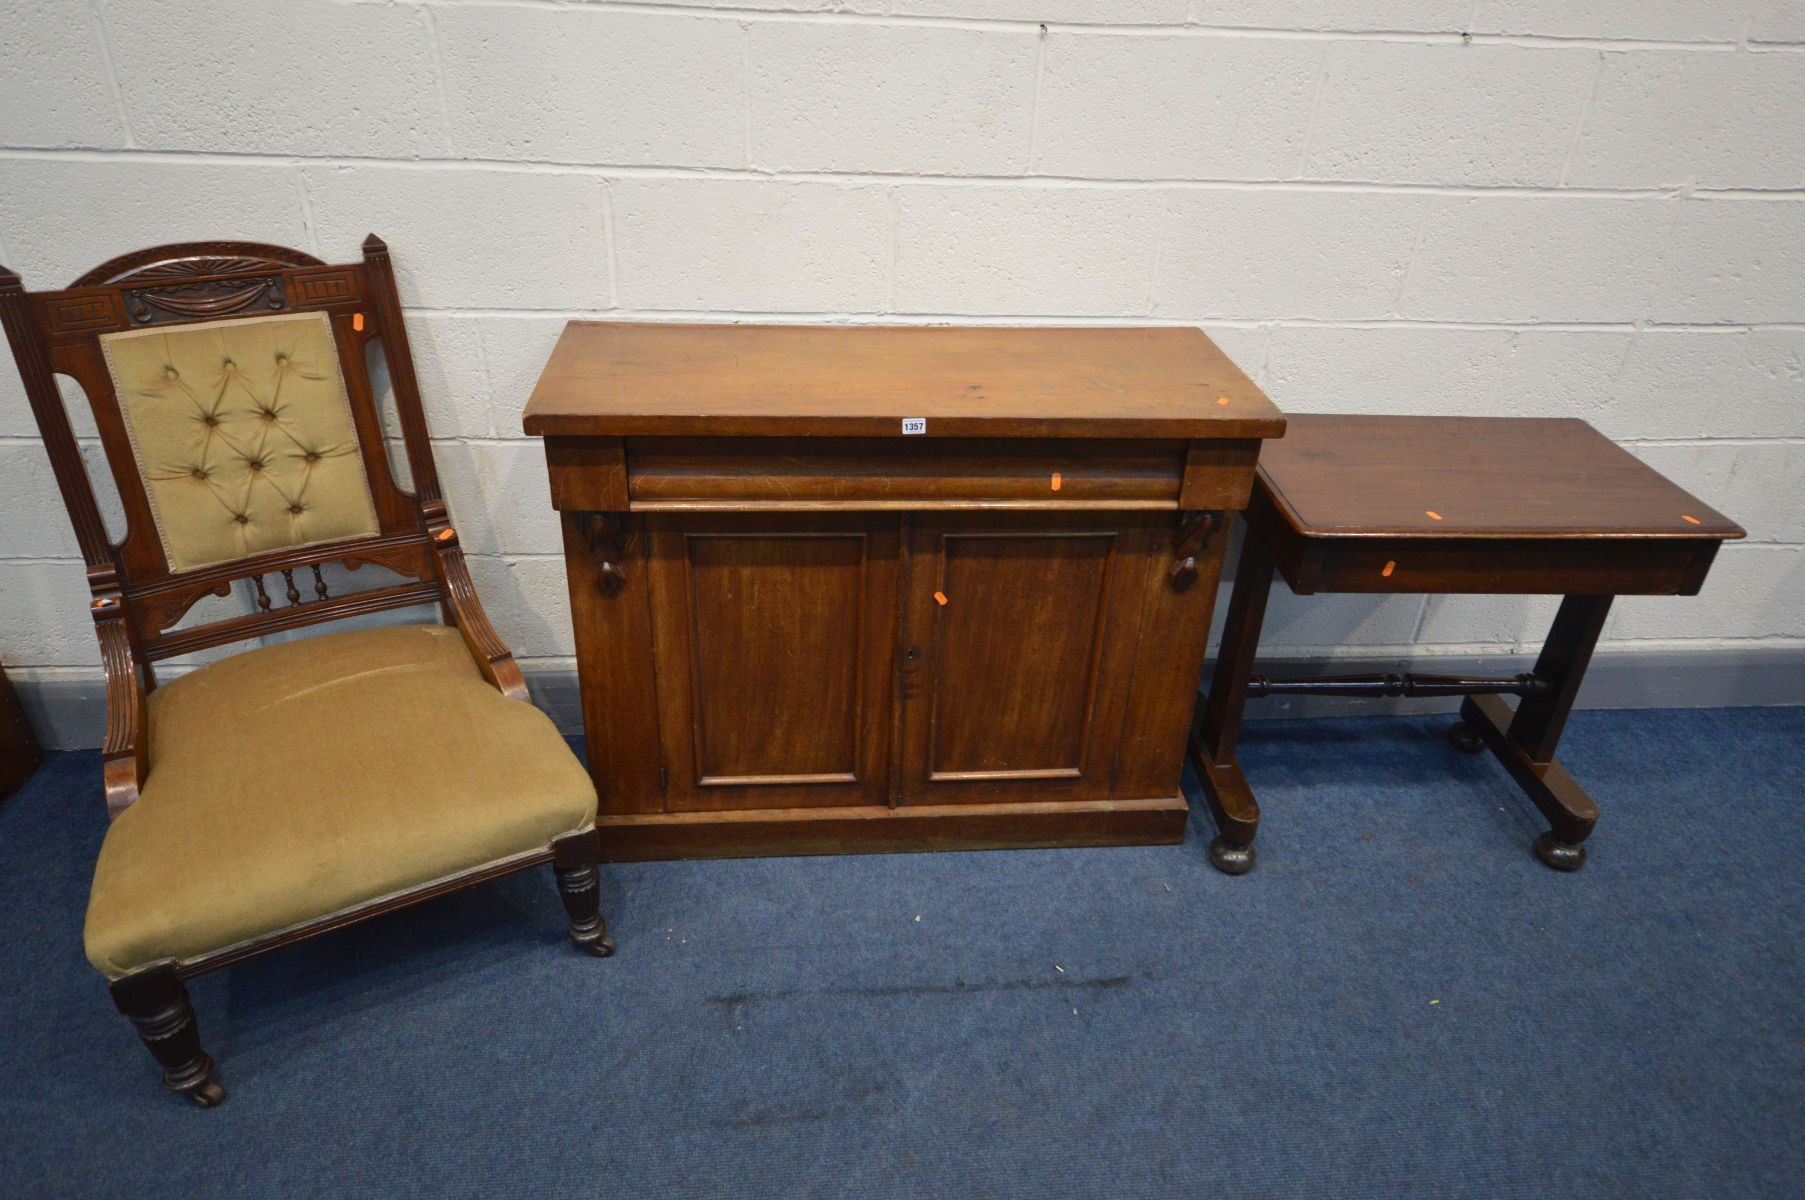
1399	476
667	380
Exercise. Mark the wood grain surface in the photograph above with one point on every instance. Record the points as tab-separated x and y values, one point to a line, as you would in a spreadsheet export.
1379	476
637	380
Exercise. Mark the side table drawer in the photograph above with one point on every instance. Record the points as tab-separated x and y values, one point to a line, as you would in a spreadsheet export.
1503	566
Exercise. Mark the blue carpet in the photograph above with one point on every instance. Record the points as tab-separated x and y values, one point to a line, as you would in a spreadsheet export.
1399	1001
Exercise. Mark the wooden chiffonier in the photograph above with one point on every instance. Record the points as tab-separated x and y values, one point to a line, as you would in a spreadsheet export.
849	589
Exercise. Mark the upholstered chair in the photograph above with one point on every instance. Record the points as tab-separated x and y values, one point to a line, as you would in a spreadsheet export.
291	789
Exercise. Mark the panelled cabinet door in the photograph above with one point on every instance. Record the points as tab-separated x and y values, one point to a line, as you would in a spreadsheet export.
1019	632
775	640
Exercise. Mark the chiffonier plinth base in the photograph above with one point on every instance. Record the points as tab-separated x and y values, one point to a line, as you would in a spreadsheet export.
874	829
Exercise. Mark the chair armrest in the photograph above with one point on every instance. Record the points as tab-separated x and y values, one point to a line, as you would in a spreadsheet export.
125	756
485	645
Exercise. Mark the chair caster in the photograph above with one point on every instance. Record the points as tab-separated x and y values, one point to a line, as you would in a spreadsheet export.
207	1095
1562	856
1461	735
593	941
1231	859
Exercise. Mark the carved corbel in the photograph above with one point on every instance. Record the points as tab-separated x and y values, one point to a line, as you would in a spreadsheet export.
485	645
1195	528
604	538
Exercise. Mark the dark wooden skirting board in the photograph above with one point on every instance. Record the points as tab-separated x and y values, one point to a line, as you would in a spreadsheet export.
70	713
19	751
869	829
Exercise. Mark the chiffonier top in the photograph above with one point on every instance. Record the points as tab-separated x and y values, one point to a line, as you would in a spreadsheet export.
648	380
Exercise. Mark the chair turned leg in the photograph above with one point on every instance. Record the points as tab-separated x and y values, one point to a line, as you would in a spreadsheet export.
574	861
157	1004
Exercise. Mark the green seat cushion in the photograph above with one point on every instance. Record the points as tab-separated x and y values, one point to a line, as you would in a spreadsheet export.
295	781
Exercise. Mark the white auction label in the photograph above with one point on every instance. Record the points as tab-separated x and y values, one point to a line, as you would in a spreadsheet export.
915	424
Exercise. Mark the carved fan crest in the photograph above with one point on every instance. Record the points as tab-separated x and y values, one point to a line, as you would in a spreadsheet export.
190	260
212	265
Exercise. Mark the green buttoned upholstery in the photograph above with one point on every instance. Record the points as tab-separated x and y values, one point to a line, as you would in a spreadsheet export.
295	781
243	435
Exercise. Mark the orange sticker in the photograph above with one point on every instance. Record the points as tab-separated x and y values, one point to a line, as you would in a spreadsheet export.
1433	516
1056	481
1389	567
446	534
357	322
1690	520
940	597
1223	400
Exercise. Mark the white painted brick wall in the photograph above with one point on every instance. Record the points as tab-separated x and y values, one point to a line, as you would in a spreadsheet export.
1442	16
1733	262
902	99
1040	251
1174	107
1447	113
591	86
1388	368
474	238
745	245
380	97
53	85
1778	21
1270	254
62	214
1659	119
1681	20
1537	207
1528	259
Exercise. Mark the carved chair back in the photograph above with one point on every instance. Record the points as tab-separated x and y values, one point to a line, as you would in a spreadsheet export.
229	385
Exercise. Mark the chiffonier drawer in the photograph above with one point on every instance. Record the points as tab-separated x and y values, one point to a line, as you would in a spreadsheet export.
697	474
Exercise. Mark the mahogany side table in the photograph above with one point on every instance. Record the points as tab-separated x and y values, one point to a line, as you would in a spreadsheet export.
1452	505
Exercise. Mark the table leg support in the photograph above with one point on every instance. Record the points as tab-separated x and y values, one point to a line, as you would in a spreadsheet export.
1236	813
1525	741
1216	727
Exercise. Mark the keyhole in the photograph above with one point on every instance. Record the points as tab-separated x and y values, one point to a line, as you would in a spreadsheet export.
911	654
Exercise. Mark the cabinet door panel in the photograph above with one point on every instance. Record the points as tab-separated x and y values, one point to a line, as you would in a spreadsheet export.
1020	632
776	644
1027	622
